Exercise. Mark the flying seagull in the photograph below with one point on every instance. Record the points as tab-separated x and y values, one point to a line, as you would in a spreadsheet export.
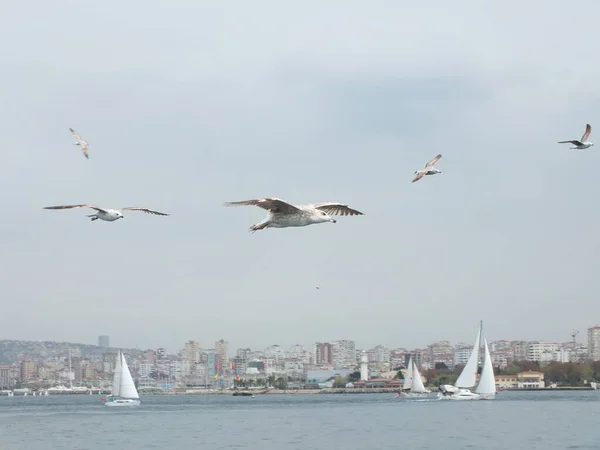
110	215
81	142
283	214
583	143
428	170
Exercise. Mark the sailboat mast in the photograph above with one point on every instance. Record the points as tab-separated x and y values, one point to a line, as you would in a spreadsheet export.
481	354
70	371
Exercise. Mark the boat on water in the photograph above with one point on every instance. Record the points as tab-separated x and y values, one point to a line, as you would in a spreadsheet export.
123	392
413	383
485	388
594	385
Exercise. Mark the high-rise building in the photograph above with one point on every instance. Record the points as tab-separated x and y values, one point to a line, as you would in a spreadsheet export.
103	341
343	354
28	370
594	343
4	376
537	351
192	352
322	353
462	352
441	352
244	353
76	368
221	347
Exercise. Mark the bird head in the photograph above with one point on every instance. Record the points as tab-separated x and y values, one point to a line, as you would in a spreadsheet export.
324	217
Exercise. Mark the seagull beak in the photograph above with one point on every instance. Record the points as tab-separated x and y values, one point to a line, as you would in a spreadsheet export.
333	221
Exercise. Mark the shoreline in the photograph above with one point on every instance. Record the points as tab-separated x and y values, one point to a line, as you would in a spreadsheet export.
301	391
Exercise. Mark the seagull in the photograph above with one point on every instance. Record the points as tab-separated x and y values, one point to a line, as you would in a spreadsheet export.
110	215
81	142
283	214
583	143
428	170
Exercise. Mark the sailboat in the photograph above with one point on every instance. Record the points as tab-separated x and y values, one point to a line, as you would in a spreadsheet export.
484	389
413	383
123	391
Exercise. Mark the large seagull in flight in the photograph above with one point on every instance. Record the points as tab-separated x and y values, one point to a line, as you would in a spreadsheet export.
83	145
428	170
583	143
283	214
110	215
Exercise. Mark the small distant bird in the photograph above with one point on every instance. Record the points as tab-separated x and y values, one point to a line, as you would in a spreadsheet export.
583	143
428	170
110	215
317	287
283	214
81	142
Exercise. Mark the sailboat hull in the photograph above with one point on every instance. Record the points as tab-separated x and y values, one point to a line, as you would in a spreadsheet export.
123	402
461	394
412	394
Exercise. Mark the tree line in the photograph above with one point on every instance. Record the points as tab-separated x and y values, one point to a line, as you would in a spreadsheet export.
563	374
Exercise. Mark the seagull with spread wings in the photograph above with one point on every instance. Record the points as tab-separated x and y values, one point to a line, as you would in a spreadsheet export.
582	143
110	215
283	214
81	142
428	170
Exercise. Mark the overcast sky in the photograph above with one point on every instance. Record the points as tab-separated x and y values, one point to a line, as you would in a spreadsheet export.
188	104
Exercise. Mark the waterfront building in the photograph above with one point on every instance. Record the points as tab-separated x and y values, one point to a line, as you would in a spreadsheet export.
594	343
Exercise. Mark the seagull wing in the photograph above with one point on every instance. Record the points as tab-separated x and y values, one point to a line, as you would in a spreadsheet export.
271	204
75	206
146	210
432	163
78	138
337	209
418	176
588	131
575	142
82	143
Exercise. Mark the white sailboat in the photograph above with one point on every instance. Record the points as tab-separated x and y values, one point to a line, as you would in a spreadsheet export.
413	383
123	391
467	380
486	388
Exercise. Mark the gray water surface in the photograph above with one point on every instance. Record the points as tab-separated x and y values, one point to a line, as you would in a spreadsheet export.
514	420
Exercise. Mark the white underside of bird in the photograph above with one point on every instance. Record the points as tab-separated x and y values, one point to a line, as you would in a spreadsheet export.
282	214
583	143
428	169
107	214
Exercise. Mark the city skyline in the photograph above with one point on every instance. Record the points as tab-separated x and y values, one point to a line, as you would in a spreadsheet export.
581	337
204	103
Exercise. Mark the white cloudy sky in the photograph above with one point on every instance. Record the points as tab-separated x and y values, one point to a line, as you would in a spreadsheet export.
187	104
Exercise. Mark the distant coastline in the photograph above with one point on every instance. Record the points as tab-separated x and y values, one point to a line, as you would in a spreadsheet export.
184	391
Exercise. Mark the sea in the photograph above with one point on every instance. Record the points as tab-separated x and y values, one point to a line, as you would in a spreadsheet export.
514	420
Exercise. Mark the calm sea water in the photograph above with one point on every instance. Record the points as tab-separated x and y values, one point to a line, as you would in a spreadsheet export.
515	420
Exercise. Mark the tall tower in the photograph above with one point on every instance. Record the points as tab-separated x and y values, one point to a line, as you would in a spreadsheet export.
221	348
103	341
364	366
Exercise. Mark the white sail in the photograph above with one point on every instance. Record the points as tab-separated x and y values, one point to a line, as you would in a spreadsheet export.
117	376
408	376
417	381
487	381
468	376
127	386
